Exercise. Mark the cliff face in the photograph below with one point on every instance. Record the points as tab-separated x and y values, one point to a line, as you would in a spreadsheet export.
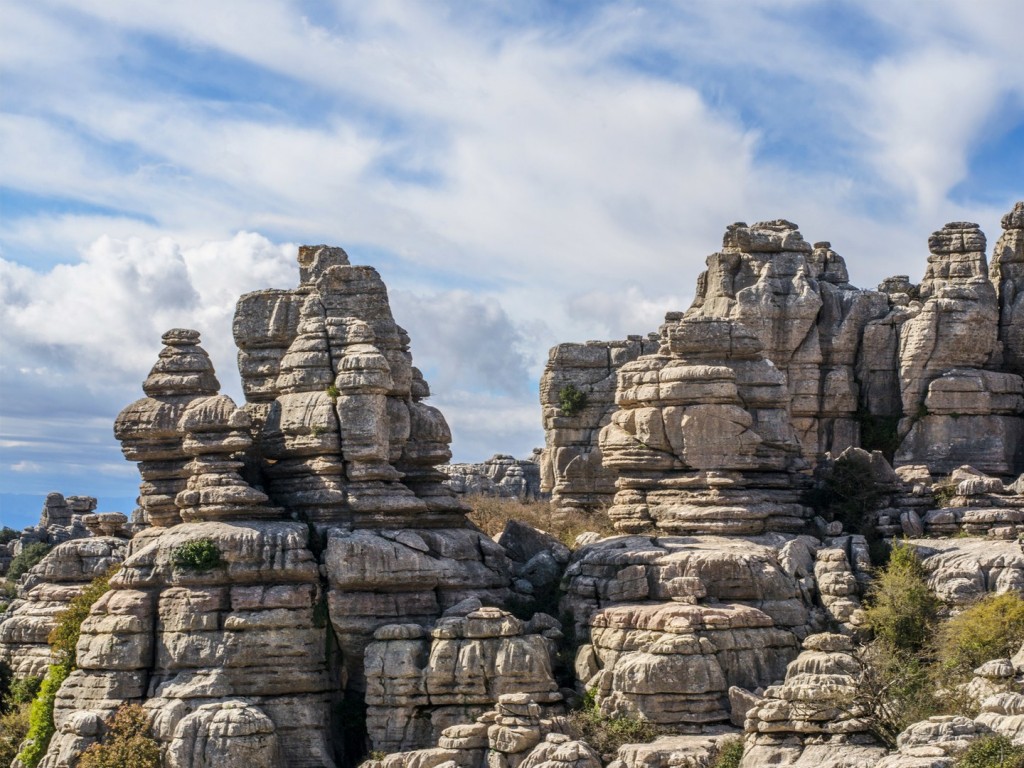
929	372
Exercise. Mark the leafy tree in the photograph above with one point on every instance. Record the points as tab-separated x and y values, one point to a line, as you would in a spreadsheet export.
127	743
901	609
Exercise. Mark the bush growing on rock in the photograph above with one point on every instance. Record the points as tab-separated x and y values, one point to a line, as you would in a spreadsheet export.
127	743
606	733
730	753
571	400
63	638
26	559
992	628
994	751
13	729
197	555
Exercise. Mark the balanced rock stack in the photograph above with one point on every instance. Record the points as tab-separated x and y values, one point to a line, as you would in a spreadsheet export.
148	428
955	411
702	442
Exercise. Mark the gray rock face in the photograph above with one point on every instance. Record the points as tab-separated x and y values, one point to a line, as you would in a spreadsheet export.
571	463
938	358
799	303
1007	275
62	519
420	683
702	441
501	475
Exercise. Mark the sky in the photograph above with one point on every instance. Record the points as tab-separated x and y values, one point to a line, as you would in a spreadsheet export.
520	173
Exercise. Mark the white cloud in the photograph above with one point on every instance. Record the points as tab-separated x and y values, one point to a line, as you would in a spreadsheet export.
27	466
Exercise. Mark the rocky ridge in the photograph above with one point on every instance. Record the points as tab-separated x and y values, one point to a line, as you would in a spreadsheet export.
300	557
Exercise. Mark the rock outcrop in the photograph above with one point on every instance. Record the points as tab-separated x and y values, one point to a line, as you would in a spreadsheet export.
667	625
419	683
572	469
702	441
62	519
275	539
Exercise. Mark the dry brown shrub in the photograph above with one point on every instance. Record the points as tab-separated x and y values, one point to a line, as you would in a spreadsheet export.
491	514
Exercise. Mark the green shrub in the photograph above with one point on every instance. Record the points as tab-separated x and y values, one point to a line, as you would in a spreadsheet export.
7	535
895	689
730	752
992	628
127	743
992	751
16	691
571	400
606	733
26	559
40	717
197	555
943	494
333	392
901	608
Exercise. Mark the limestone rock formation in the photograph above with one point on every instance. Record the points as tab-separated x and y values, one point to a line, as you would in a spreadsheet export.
1007	275
702	441
813	712
419	682
501	475
62	519
671	623
275	539
798	301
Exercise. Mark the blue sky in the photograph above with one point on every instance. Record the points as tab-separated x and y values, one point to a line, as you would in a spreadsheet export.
520	173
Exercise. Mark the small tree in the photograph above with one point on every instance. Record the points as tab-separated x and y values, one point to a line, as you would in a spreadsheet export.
127	743
991	628
901	609
571	400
